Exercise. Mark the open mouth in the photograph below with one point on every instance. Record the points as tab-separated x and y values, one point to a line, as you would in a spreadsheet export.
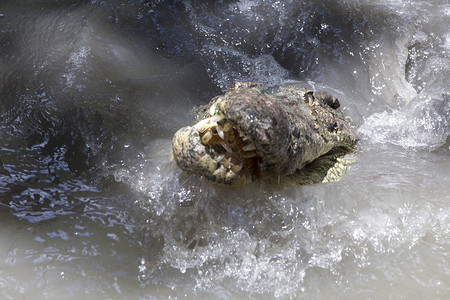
235	151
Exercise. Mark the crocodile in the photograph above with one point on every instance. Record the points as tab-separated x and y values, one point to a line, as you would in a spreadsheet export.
292	137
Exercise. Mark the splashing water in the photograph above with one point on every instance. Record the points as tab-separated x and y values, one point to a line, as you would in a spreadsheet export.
93	205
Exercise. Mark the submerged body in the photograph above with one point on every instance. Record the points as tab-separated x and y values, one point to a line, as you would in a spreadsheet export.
291	137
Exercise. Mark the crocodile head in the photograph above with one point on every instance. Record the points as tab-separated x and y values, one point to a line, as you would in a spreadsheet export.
247	133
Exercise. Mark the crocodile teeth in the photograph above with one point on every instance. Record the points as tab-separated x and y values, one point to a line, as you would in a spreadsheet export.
207	136
239	150
249	154
217	118
229	164
220	132
249	147
236	168
226	147
212	110
245	137
201	125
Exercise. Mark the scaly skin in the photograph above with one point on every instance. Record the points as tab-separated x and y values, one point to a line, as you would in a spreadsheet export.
292	137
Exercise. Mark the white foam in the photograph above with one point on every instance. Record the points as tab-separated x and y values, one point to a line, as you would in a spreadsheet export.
422	124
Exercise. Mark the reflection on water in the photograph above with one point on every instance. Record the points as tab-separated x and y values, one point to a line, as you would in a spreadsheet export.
91	203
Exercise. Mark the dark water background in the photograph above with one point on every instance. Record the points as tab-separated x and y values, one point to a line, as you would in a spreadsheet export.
91	204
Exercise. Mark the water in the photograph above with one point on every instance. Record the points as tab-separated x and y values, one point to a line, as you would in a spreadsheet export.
92	205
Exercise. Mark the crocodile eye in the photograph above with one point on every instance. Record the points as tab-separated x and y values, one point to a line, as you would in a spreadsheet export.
334	103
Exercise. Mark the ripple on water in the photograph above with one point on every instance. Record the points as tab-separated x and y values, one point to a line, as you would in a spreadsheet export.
117	78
